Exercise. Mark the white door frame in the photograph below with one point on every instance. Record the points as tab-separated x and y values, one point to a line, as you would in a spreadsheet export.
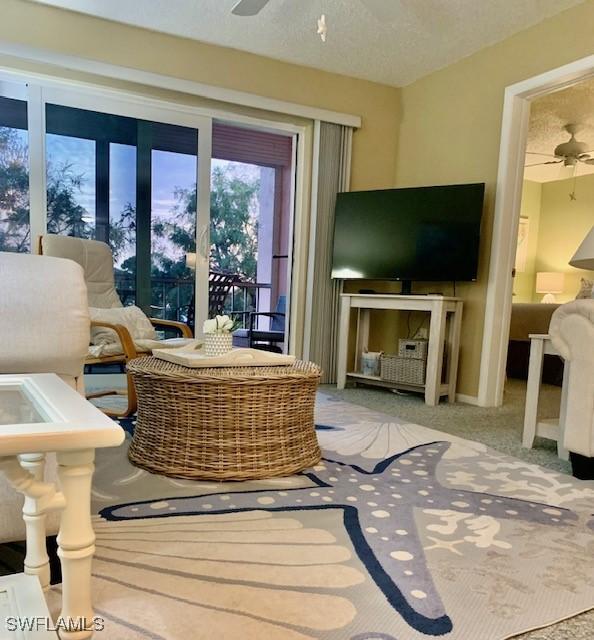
514	130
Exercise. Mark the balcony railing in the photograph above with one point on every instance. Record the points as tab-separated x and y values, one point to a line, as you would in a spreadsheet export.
171	297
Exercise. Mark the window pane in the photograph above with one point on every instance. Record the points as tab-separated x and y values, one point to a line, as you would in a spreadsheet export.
236	210
173	232
132	184
122	218
70	186
15	229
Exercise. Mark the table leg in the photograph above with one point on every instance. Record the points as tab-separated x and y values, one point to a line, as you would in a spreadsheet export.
76	541
532	392
454	351
343	342
24	474
435	354
34	516
562	452
363	325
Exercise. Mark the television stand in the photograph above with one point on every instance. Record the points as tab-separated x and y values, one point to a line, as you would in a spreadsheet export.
444	334
406	288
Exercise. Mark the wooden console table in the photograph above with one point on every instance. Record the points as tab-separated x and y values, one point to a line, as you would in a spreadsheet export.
441	336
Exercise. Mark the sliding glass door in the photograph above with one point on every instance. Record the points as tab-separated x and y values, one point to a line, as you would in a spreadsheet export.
133	183
250	225
182	203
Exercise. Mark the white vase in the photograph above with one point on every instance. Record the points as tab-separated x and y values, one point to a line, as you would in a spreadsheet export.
217	344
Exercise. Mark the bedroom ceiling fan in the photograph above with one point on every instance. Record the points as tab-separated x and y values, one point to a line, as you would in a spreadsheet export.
567	153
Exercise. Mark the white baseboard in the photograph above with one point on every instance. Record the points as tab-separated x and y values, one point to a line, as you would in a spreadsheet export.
466	399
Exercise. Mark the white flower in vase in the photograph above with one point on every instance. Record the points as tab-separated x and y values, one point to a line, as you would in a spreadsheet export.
219	324
210	326
217	335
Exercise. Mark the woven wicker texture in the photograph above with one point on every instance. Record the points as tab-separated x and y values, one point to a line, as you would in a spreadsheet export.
224	423
406	370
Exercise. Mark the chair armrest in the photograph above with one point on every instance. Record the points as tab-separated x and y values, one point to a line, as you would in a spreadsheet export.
269	314
123	334
179	326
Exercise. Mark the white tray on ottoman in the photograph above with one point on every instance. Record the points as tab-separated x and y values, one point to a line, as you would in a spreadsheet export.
193	357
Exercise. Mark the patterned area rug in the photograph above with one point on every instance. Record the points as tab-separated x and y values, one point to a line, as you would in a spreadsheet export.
400	533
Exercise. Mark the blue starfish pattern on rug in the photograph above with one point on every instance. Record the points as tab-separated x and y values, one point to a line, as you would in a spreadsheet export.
378	507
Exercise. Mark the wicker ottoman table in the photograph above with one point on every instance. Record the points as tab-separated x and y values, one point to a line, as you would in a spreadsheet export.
224	423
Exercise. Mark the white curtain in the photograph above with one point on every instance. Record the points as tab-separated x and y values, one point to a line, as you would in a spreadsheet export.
331	175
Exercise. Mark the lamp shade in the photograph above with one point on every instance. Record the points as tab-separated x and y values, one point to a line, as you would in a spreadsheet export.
549	282
583	258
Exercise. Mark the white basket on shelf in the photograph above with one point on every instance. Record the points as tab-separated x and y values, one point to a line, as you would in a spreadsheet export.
416	349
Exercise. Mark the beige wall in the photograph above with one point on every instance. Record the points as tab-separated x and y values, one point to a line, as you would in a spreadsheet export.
564	223
557	227
451	128
374	145
525	280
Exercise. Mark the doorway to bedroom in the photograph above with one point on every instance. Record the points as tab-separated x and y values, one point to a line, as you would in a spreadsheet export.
555	216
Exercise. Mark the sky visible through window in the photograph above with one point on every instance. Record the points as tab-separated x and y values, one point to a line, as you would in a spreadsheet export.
170	173
77	156
15	230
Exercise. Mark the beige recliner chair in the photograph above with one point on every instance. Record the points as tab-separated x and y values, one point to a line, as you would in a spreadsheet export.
572	334
96	259
44	328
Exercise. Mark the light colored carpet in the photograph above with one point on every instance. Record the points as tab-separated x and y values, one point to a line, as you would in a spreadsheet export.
499	428
494	579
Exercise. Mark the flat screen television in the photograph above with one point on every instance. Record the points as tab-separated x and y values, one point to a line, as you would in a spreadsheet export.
425	234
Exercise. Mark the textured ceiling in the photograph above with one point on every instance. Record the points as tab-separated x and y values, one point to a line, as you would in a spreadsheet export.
548	116
389	41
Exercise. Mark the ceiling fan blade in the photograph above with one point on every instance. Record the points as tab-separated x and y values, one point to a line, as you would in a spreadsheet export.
540	164
537	153
249	7
588	161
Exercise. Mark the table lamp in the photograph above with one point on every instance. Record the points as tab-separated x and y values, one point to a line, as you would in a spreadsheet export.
549	283
583	258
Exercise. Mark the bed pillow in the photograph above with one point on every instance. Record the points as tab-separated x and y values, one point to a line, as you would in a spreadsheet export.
133	318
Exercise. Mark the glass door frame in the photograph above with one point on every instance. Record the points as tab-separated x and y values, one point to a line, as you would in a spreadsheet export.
141	109
284	180
43	87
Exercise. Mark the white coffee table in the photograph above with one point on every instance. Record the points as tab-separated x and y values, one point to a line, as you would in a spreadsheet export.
40	413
